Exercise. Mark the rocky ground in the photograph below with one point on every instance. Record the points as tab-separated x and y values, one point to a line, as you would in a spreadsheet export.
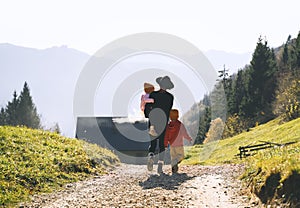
134	186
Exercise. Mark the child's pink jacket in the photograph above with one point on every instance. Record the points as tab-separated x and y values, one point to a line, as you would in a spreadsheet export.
145	99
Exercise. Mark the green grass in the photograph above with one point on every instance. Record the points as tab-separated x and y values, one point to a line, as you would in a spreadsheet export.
35	161
268	170
224	151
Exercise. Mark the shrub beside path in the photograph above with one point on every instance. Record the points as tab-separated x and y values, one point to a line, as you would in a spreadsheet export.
133	186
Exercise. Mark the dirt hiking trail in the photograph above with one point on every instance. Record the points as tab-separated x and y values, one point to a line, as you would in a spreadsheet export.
134	186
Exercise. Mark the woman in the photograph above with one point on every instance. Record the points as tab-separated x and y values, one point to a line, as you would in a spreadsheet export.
158	116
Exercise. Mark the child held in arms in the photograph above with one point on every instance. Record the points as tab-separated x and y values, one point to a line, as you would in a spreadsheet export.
145	100
175	133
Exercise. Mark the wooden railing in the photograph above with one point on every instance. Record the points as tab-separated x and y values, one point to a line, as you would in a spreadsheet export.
245	151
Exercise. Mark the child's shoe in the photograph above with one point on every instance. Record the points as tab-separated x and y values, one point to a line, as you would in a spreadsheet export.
159	167
150	162
175	168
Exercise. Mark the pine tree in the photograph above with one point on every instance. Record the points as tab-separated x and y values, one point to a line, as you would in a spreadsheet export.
12	116
27	110
3	117
231	94
56	129
245	109
290	60
227	82
297	52
204	124
286	53
223	75
218	102
262	80
287	99
238	92
206	100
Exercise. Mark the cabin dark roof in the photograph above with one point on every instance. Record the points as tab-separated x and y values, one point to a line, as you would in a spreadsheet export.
116	133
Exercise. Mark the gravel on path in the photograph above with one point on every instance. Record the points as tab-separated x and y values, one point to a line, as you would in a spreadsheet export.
134	186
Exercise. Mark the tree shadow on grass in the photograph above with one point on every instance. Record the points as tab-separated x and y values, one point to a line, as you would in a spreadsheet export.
165	181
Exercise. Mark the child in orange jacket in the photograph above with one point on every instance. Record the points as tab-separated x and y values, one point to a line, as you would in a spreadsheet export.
175	133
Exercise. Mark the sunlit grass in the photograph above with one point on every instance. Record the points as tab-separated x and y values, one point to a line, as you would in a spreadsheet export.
34	161
283	161
225	151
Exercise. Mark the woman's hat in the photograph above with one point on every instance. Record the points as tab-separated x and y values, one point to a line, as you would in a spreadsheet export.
165	82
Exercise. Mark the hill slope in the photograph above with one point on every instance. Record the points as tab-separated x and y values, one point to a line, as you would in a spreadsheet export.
272	173
33	161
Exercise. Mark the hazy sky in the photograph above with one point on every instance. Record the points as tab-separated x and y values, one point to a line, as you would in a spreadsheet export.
230	25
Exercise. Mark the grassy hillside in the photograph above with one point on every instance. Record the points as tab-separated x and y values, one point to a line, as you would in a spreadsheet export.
33	161
224	151
271	173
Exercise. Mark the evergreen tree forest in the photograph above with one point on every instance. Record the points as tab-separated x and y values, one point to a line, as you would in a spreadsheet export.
267	88
21	111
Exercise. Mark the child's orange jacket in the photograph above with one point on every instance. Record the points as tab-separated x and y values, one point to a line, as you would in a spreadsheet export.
175	133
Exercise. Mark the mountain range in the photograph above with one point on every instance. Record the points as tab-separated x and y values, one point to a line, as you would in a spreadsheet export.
52	74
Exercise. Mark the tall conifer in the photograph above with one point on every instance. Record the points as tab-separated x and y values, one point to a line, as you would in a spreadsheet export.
27	110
